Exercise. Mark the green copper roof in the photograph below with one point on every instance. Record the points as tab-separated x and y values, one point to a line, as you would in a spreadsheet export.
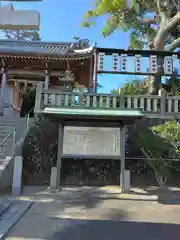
94	112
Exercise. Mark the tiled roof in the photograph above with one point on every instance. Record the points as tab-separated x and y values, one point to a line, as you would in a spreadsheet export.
66	49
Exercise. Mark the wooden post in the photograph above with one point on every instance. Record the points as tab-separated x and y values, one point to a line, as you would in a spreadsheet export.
121	96
162	94
39	89
59	154
81	97
122	156
3	89
46	86
16	98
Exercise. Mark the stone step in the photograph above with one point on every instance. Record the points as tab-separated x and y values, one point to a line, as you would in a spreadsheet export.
6	146
7	142
5	153
2	154
6	127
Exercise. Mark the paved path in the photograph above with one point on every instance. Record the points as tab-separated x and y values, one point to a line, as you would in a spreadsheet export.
94	213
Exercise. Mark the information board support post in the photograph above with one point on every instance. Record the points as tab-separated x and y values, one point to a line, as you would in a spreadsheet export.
122	157
59	154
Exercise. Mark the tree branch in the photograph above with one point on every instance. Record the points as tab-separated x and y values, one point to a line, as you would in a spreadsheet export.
148	21
165	27
175	44
173	22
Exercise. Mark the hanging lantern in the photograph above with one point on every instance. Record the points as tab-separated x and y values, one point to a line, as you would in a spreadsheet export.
168	65
123	63
137	63
101	61
115	61
153	64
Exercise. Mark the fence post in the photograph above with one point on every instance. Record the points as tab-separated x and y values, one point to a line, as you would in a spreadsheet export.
53	178
17	176
162	94
121	98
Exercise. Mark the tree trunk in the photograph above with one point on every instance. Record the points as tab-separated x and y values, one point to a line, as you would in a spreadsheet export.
155	81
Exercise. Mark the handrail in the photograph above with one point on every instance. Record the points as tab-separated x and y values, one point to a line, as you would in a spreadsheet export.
7	137
14	131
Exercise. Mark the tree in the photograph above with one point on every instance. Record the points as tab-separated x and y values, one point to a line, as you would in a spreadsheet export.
22	35
174	83
154	23
134	87
161	146
140	87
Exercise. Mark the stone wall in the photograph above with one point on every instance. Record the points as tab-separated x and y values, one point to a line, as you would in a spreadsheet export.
40	150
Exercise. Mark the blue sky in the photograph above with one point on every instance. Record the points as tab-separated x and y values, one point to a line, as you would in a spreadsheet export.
60	21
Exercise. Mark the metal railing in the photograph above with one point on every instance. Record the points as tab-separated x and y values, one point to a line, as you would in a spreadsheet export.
13	133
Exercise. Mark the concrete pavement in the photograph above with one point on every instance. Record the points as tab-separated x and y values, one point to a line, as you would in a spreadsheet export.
96	213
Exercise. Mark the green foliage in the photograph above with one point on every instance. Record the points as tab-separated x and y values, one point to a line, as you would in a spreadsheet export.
159	144
123	16
133	87
134	42
140	17
152	143
170	132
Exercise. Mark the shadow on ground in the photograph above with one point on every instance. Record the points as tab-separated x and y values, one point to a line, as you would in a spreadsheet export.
108	230
89	197
167	196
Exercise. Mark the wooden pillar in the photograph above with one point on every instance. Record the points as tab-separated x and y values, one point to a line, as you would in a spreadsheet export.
38	101
3	89
16	98
59	154
122	156
46	84
121	96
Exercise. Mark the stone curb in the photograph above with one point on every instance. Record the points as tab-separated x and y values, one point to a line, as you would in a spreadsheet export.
5	207
12	215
